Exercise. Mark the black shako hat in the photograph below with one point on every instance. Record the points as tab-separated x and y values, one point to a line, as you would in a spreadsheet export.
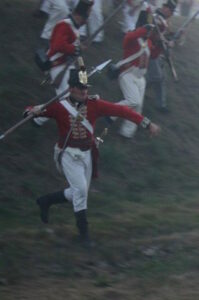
171	4
83	8
78	78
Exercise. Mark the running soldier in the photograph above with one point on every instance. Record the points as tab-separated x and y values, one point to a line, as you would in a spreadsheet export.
156	72
75	151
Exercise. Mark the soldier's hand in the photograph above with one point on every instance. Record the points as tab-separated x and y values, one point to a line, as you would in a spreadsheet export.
149	27
35	110
26	112
154	129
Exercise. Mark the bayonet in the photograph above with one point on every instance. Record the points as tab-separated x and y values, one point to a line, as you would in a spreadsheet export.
99	68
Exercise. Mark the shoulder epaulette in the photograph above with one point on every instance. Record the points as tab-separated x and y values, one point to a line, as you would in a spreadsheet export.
93	97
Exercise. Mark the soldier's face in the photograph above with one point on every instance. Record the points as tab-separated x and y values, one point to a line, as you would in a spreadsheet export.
79	94
167	12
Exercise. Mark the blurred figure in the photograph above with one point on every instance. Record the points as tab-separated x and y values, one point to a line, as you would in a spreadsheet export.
65	42
95	20
156	72
131	12
65	46
186	7
56	10
45	6
137	46
43	9
146	13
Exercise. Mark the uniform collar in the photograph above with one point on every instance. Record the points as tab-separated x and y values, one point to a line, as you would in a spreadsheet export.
76	103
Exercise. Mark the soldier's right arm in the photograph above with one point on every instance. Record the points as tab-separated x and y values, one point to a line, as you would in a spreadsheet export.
62	39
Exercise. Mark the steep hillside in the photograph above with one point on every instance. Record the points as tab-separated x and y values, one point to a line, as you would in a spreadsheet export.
143	210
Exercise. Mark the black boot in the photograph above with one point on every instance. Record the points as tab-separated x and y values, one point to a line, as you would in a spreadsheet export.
82	225
46	201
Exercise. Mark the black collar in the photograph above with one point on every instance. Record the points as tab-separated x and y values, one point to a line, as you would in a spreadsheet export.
75	102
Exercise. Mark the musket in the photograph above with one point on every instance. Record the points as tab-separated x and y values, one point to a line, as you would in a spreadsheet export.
86	43
89	40
165	50
180	30
98	68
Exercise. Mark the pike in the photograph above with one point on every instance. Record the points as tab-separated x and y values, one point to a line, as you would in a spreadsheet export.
180	30
165	50
98	68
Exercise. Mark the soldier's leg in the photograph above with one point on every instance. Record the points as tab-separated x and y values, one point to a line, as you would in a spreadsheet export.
82	225
46	201
133	90
96	20
156	77
78	173
129	21
161	94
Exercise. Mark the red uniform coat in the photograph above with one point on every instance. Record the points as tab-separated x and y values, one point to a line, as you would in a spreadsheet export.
133	42
62	41
92	110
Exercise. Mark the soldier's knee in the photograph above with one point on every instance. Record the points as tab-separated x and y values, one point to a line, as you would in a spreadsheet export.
82	191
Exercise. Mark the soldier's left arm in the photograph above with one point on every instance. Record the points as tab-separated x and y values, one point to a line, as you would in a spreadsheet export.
105	108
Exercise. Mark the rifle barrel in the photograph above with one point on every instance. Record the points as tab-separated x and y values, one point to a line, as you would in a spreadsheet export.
118	8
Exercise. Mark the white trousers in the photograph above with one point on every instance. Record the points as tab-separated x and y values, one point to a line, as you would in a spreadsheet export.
130	18
95	20
133	89
129	21
77	168
45	6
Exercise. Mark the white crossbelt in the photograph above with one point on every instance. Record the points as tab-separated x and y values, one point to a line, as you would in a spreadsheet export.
134	56
75	114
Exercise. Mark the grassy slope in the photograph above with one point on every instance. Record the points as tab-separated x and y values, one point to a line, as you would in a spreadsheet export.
143	210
